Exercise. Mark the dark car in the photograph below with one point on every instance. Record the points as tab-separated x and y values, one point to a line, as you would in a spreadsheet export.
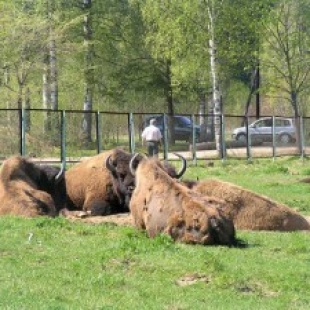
182	126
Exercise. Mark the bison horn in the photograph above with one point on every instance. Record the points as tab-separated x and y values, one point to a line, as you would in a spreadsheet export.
184	166
60	174
109	165
131	164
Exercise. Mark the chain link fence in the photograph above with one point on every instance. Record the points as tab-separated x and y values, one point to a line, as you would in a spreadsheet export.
64	135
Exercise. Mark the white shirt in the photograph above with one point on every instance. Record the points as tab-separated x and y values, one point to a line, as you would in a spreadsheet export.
151	133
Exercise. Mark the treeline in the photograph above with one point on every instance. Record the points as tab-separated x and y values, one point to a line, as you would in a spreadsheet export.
173	56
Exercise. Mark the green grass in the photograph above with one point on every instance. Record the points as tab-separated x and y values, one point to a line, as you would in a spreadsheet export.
56	264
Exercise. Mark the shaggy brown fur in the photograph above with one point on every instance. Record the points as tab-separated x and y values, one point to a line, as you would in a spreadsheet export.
251	211
160	204
90	186
94	188
24	188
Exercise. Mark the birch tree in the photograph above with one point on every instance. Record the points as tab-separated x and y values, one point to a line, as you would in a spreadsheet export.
88	72
216	96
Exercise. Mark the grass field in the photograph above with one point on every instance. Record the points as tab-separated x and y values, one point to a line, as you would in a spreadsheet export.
58	264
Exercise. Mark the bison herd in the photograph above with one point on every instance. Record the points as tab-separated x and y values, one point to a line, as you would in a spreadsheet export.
200	212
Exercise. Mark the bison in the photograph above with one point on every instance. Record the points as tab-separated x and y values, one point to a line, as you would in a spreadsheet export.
30	190
161	204
102	184
90	185
251	211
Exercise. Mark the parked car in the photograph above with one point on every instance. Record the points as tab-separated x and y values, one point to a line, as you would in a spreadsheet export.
261	129
182	126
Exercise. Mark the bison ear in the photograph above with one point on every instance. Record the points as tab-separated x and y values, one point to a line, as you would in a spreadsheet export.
110	165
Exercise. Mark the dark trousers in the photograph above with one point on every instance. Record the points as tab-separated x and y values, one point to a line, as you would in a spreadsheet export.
152	148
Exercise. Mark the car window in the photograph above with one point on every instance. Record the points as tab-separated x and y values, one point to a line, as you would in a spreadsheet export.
282	123
264	123
268	122
182	121
179	122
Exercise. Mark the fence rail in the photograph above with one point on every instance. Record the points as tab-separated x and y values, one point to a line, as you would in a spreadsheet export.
60	135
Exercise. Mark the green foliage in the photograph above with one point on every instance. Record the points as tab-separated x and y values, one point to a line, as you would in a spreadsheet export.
133	42
284	53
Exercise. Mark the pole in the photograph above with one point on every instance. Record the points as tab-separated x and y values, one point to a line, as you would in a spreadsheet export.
194	147
63	138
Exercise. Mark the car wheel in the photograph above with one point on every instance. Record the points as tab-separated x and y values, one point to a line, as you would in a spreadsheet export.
241	137
285	138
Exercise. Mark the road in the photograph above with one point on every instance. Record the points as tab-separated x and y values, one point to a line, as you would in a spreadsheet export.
255	151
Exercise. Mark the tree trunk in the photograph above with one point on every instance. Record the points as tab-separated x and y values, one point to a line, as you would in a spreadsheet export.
169	98
46	95
20	95
202	115
53	77
253	88
214	78
27	107
89	74
294	102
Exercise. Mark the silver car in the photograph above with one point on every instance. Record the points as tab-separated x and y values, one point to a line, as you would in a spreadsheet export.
261	129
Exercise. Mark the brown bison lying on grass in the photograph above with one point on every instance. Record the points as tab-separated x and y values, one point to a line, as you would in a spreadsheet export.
90	186
161	204
251	211
102	184
30	190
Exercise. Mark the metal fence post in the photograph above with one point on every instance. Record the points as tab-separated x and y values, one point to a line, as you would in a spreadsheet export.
23	132
131	133
248	140
166	143
273	138
223	147
302	137
20	125
98	132
194	147
63	138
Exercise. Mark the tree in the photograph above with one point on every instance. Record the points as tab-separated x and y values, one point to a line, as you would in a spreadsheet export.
216	95
88	71
286	57
22	38
171	39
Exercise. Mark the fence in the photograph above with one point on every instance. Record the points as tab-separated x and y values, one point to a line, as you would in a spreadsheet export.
58	135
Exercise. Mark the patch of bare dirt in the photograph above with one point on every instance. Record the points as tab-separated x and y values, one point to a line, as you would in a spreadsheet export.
121	219
191	279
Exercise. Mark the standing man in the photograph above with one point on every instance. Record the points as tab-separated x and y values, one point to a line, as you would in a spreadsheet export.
152	136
